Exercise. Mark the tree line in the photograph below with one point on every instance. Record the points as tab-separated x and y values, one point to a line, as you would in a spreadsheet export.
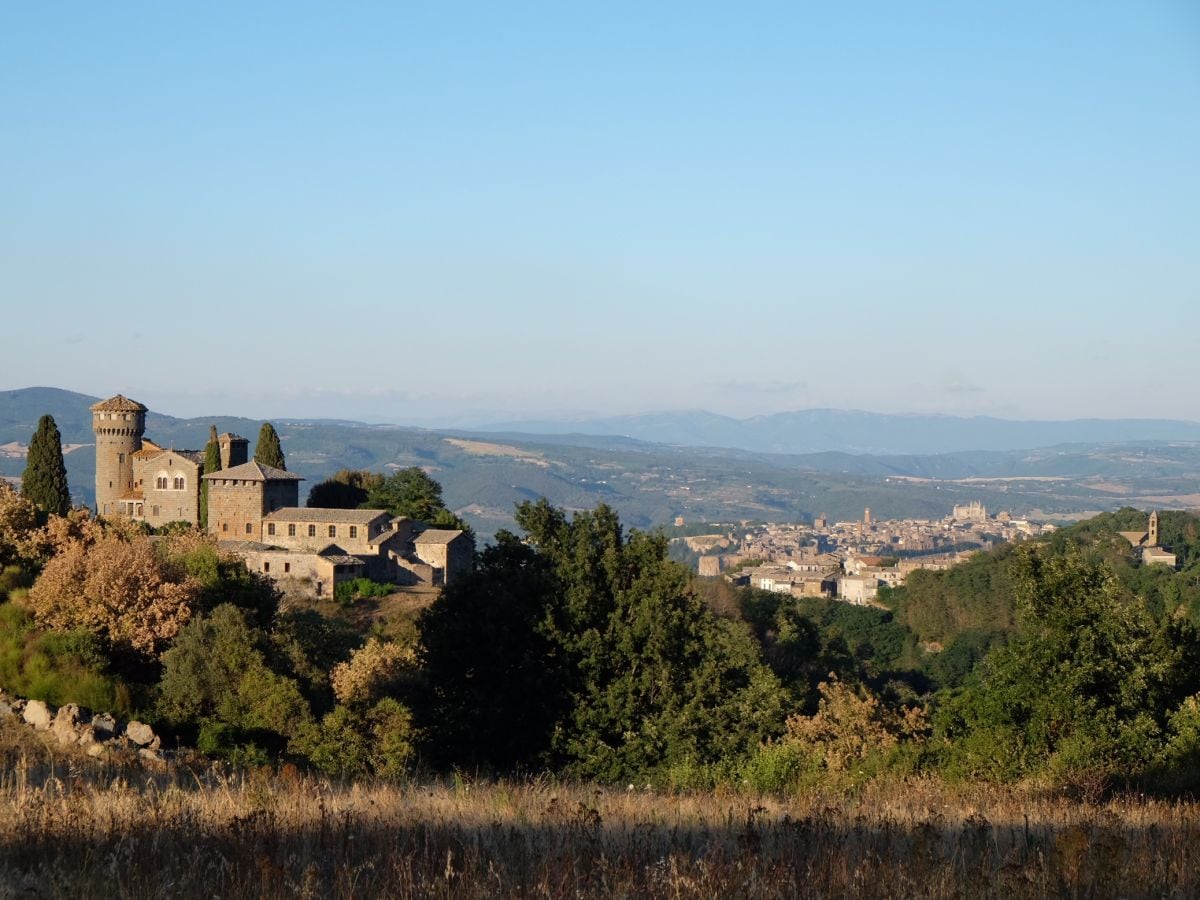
579	647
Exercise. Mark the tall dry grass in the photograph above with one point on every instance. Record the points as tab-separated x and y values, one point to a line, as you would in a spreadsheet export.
65	831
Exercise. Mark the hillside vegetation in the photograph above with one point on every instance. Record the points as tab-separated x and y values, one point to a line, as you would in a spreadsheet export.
579	648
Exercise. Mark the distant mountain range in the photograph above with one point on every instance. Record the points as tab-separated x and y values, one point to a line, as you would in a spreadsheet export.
852	431
1139	463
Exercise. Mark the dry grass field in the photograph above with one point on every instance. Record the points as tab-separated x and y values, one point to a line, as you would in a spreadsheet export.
72	831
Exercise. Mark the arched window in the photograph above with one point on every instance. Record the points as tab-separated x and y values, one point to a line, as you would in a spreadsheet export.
179	483
161	481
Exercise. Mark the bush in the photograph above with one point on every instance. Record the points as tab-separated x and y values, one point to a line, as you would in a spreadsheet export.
347	592
58	667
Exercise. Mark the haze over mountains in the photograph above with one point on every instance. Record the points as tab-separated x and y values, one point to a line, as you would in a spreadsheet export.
854	431
654	468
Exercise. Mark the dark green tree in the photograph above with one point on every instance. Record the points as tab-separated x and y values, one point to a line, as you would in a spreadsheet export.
346	489
587	648
411	492
267	451
212	463
217	675
496	676
44	483
1087	686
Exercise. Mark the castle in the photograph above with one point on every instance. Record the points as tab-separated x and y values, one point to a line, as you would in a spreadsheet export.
254	511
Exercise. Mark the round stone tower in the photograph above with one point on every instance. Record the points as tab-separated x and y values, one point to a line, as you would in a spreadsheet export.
119	424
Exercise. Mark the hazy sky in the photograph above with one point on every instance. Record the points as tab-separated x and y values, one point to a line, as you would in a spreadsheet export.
403	212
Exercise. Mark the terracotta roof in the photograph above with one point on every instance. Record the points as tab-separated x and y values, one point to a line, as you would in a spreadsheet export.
154	451
436	536
317	514
149	449
119	403
255	471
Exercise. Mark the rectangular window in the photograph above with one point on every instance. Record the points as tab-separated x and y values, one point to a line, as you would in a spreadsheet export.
287	567
271	528
312	530
249	528
266	567
291	530
155	508
353	531
333	531
224	526
121	458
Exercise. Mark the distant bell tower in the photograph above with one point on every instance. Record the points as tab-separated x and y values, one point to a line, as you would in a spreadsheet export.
119	424
1152	539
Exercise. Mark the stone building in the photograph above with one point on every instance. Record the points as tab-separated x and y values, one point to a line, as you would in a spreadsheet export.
1146	547
136	477
254	511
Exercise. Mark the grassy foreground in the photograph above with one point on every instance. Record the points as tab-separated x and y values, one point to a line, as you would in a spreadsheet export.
70	831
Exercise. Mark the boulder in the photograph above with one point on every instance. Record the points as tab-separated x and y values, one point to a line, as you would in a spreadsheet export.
67	724
105	725
94	749
38	714
141	734
151	757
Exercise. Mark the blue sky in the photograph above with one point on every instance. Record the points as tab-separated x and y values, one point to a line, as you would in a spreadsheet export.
454	212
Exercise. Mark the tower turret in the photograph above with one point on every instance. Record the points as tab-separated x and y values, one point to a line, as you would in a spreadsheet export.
119	424
1152	536
235	450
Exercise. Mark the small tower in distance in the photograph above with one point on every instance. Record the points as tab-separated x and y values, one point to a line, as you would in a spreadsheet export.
1152	537
119	424
235	450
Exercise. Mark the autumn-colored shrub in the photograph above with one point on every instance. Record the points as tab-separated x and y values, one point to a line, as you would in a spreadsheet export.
117	587
375	668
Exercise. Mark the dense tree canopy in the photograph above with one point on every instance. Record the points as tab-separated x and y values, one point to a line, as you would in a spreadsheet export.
45	480
345	489
587	647
411	492
1088	684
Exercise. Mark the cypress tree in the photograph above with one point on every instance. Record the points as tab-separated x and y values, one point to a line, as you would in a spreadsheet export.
44	483
267	451
212	463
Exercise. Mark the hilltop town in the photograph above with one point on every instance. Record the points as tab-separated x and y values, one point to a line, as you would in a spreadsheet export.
850	561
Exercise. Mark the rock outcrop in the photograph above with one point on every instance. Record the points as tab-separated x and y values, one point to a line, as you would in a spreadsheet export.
96	734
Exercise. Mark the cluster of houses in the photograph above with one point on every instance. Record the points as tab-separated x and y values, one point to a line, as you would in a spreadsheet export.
851	561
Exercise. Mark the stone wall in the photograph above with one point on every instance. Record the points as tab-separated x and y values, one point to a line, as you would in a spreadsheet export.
235	509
